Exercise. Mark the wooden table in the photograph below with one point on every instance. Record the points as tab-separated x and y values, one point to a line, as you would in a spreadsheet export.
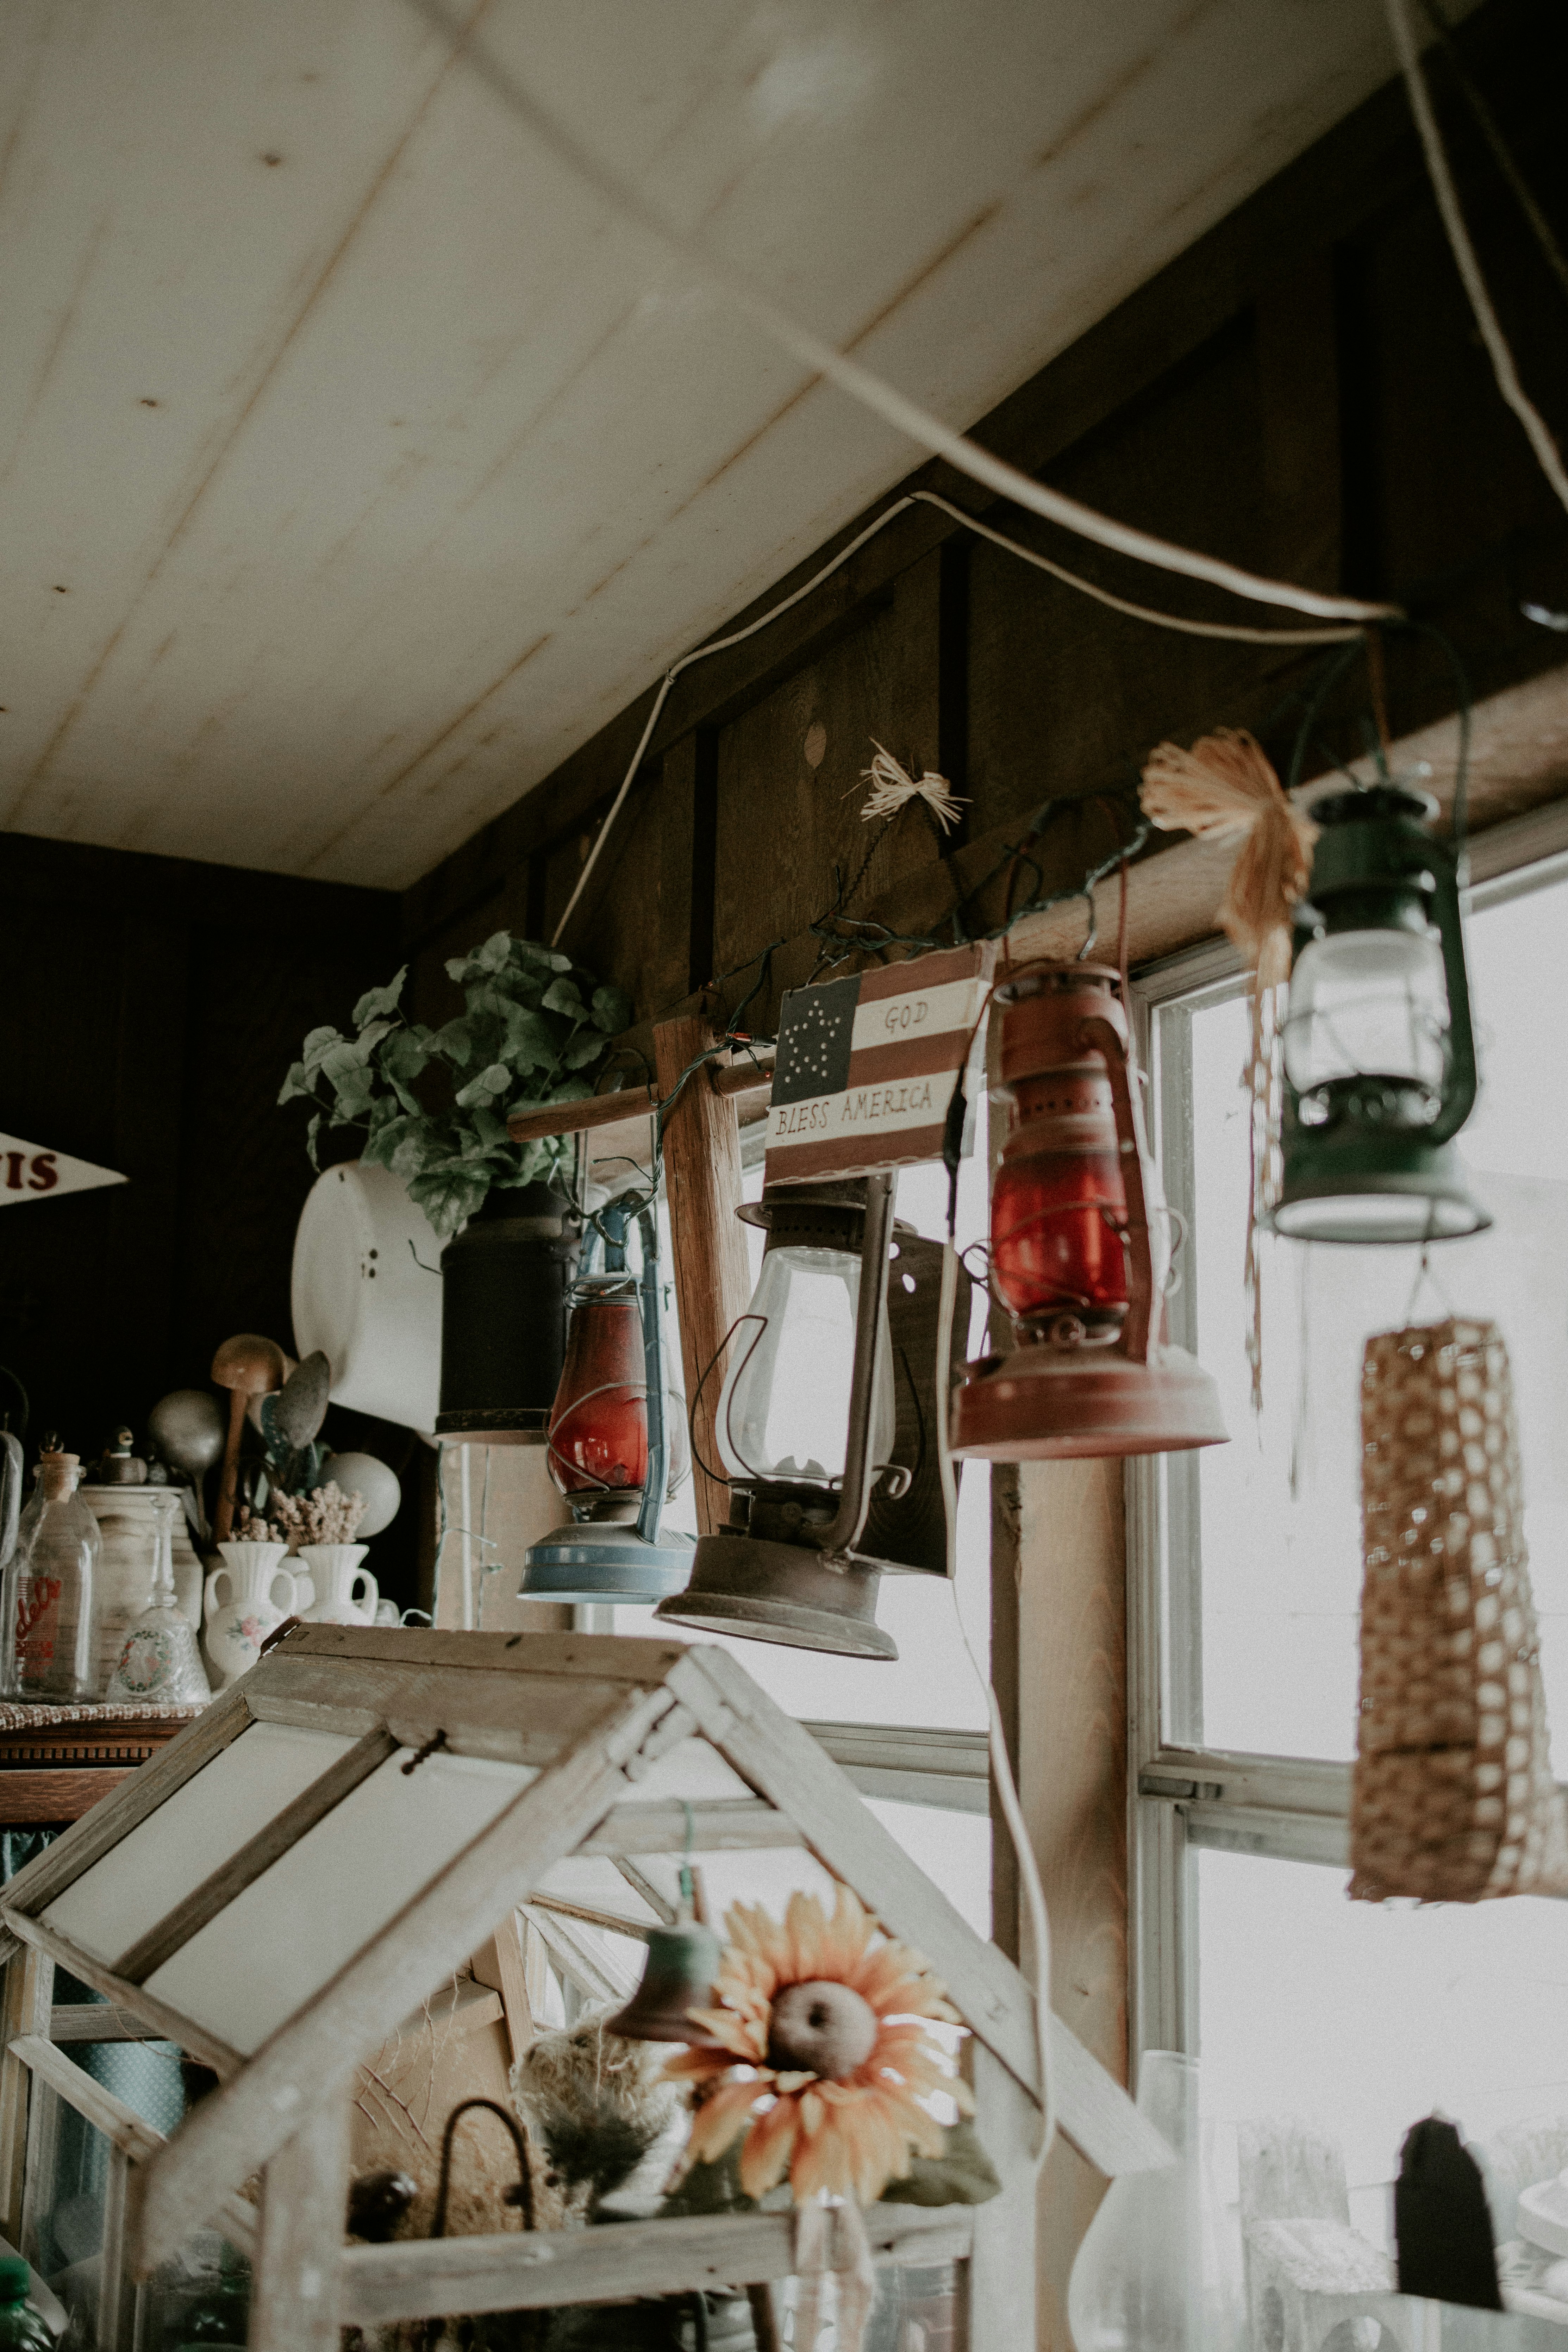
57	1761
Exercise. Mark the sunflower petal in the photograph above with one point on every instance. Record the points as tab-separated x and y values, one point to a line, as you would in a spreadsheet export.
768	2146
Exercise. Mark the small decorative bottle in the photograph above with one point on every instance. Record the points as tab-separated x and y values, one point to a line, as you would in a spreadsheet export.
159	1663
50	1601
20	2325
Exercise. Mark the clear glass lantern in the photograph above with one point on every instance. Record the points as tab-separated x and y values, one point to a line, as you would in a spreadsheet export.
784	1411
1367	1004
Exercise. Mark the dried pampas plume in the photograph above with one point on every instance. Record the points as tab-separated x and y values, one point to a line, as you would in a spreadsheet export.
1223	788
1226	789
892	786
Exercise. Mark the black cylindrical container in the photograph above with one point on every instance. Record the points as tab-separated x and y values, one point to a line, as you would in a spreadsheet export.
504	1280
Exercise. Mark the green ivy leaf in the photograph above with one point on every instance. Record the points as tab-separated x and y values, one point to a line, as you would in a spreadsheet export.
377	1001
450	1195
569	1090
418	1147
454	1041
490	1082
496	952
612	1010
311	1132
584	1050
561	997
296	1084
317	1046
531	1042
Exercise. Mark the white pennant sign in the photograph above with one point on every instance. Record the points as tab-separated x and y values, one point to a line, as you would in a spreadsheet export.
30	1172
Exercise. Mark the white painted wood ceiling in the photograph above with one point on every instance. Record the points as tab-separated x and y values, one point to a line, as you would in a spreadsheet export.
356	464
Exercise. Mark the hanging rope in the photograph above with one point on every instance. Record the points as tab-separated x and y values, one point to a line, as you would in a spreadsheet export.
1224	789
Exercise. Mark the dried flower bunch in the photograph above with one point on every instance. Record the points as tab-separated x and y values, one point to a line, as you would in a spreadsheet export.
325	1515
823	2056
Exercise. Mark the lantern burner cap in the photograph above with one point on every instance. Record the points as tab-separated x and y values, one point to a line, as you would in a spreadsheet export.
1056	978
1370	805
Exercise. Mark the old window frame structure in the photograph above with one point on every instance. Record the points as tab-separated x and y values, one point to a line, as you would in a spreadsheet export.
1183	1798
595	1717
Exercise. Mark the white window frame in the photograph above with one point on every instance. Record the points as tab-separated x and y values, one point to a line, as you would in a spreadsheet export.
1181	1798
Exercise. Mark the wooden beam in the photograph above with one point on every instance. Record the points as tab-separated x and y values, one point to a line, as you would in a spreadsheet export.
61	1794
701	1145
718	1825
28	1996
258	1854
1072	1782
95	2021
120	2124
528	2270
502	1962
295	2295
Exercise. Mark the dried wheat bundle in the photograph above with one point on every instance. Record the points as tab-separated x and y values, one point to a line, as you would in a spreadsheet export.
892	786
1453	1798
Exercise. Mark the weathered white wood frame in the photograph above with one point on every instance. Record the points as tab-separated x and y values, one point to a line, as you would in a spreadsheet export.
594	1714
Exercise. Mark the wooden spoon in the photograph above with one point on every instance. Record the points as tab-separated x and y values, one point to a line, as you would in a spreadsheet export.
247	1366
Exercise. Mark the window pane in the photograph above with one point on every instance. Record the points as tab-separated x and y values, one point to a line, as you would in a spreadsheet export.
1364	2017
1264	1656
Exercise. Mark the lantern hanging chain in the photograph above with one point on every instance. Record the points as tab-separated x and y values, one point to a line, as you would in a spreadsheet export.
1548	455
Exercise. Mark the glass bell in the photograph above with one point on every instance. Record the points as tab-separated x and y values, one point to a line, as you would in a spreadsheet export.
159	1663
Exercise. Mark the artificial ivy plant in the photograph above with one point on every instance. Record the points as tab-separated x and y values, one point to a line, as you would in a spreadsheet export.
533	1030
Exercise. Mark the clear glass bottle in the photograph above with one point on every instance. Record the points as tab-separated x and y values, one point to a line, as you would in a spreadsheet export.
1157	2271
50	1599
21	2325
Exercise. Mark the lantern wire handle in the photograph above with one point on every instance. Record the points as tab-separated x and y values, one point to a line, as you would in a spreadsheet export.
1424	1273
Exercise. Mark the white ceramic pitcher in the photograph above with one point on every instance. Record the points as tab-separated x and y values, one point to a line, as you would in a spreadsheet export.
260	1593
334	1572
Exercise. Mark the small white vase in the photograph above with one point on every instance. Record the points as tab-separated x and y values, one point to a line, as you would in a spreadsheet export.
335	1571
260	1593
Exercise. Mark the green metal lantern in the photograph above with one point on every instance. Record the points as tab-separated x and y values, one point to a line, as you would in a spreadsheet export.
1380	1058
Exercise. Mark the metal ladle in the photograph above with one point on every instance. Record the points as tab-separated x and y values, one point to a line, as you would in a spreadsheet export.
248	1366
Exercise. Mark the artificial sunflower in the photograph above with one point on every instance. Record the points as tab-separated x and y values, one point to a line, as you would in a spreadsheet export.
823	2053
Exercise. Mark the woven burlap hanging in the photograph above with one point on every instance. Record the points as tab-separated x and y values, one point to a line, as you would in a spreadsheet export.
1453	1798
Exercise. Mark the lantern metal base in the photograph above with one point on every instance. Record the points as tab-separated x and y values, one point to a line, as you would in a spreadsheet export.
601	1560
1054	1404
1371	1188
784	1592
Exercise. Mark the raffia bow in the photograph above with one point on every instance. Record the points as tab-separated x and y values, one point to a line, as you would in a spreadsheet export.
1224	788
892	785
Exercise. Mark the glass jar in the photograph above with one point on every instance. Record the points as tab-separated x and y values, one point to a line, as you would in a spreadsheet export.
50	1598
1157	2271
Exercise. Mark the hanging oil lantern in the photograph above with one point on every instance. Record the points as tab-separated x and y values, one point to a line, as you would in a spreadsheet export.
806	1421
1072	1249
615	1447
1380	1058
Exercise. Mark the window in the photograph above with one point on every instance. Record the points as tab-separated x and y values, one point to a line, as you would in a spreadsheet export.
1246	1580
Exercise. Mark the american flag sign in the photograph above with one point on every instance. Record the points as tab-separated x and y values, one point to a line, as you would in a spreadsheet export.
866	1067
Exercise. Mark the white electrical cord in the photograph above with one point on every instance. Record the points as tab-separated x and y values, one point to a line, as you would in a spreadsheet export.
1470	268
862	384
1001	1762
1235	632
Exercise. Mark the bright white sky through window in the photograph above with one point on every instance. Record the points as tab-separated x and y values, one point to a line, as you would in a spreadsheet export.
1282	1578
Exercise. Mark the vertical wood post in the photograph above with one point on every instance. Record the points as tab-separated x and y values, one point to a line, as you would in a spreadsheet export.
501	1964
702	1173
299	2259
28	1995
116	2289
1072	1780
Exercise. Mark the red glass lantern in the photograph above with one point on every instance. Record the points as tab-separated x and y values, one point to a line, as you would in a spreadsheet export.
598	1423
1072	1260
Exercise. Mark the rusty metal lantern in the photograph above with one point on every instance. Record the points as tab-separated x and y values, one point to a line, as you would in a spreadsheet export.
1072	1249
